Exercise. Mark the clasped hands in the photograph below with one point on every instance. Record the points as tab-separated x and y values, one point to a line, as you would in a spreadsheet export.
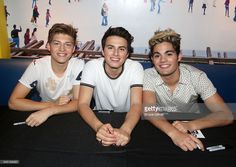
107	136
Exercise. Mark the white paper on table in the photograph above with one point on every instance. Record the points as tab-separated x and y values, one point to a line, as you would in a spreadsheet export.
198	134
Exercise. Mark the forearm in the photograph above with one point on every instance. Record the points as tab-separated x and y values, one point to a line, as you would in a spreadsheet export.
72	106
162	124
220	114
214	119
89	117
28	105
131	119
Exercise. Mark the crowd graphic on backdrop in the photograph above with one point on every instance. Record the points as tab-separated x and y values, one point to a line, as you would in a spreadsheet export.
47	17
104	13
190	6
35	15
6	12
214	3
154	5
34	3
159	6
75	1
235	14
15	35
204	6
226	4
27	36
33	35
227	8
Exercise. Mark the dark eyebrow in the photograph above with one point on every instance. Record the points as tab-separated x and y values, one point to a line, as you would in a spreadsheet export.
170	51
61	42
109	45
123	47
155	53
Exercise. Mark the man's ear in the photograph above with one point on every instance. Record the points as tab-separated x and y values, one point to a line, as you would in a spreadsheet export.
151	57
48	46
73	50
127	56
180	56
102	53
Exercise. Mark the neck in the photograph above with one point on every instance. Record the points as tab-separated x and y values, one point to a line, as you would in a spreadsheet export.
112	72
59	69
172	80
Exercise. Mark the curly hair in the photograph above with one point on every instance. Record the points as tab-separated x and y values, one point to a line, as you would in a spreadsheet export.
167	35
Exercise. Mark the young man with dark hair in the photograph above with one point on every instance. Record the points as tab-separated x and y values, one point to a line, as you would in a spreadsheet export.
115	82
173	85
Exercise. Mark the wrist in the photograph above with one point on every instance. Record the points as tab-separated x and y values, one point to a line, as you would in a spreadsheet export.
52	111
192	126
126	129
171	133
98	127
51	104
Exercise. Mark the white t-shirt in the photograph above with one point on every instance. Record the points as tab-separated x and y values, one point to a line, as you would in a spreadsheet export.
112	94
39	74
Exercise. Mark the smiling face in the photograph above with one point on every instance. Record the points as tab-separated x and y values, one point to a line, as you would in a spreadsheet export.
61	48
115	53
166	60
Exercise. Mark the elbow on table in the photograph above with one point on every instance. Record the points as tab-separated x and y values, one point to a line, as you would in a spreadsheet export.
11	104
229	118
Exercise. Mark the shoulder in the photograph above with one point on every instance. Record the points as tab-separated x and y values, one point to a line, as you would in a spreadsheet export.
190	69
95	63
151	72
77	62
41	61
76	65
194	76
131	64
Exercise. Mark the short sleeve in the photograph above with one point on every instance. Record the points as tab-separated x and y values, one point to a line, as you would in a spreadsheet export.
77	69
30	76
137	75
148	84
89	74
205	88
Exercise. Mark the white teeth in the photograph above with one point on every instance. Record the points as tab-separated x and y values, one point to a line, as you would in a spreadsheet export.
115	59
164	66
61	54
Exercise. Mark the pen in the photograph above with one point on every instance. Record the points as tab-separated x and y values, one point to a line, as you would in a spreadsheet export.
198	146
195	136
19	123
